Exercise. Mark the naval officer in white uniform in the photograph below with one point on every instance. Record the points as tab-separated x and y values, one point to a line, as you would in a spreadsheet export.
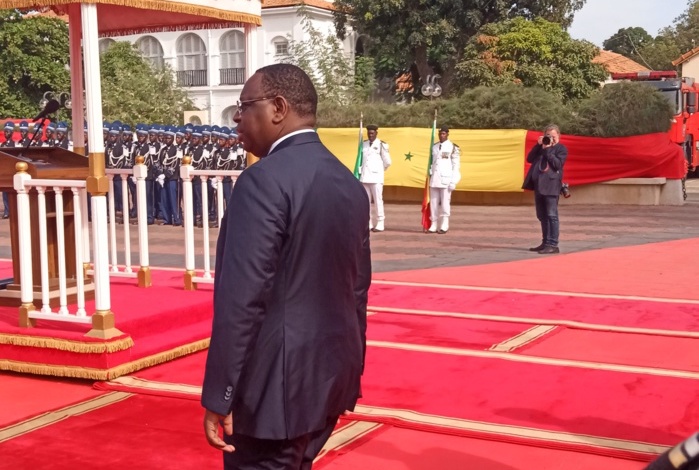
375	160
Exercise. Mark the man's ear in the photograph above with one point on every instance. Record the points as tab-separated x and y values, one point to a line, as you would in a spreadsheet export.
281	109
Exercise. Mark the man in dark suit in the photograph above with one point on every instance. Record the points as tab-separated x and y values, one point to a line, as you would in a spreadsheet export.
545	177
293	269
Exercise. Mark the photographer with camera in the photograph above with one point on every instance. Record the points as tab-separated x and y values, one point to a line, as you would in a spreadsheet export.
545	177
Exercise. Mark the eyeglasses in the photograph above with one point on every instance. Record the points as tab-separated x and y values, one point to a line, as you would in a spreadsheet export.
243	105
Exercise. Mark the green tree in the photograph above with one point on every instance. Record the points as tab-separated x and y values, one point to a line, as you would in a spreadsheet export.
659	53
135	91
34	60
628	41
337	80
432	33
535	53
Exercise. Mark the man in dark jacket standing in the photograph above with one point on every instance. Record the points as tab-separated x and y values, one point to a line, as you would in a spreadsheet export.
293	270
545	177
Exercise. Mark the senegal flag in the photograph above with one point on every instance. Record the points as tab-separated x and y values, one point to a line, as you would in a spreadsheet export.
360	150
426	195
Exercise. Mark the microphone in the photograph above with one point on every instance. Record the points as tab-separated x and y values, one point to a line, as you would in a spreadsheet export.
50	108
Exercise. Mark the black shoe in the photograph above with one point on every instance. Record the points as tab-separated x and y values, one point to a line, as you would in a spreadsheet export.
549	250
538	248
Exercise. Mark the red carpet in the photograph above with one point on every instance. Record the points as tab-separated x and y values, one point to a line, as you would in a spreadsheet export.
618	348
407	449
154	331
21	392
137	432
652	270
614	312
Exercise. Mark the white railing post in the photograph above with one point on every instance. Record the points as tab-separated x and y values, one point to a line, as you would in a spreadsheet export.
25	245
61	248
188	213
125	218
79	271
43	251
140	171
112	225
205	225
219	199
86	229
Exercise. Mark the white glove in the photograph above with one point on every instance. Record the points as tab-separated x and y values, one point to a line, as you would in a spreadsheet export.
133	179
451	187
161	180
214	182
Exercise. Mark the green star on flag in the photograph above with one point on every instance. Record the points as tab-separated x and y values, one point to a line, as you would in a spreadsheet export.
409	156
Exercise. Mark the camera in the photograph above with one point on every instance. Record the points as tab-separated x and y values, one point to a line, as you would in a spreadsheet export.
546	140
565	190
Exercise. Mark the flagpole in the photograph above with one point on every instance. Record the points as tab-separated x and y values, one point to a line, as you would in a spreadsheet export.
360	148
426	222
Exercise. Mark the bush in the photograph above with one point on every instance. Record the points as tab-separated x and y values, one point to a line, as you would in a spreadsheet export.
621	109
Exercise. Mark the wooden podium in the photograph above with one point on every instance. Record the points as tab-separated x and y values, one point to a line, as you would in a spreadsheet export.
43	163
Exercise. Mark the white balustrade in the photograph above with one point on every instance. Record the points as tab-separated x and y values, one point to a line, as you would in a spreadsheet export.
187	173
23	184
138	172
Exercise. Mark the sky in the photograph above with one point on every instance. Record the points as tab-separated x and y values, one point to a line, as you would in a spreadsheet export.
598	20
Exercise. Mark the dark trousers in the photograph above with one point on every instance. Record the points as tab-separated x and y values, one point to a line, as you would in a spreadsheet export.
170	202
212	200
289	454
150	210
227	190
134	198
157	200
6	204
547	213
196	196
117	193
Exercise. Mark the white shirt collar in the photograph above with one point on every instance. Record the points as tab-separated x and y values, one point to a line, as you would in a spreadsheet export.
291	134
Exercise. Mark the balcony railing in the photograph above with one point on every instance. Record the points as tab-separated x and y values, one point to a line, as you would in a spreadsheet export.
192	78
232	76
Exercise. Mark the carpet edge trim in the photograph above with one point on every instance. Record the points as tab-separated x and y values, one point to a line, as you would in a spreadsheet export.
75	346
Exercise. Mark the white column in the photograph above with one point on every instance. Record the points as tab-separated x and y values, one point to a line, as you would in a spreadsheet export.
140	171
78	227
76	75
43	251
24	228
205	224
251	50
188	213
93	89
61	248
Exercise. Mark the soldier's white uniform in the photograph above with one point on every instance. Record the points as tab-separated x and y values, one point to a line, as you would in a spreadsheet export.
444	175
375	160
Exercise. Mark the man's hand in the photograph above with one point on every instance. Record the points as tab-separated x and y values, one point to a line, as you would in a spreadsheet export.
540	140
211	423
451	187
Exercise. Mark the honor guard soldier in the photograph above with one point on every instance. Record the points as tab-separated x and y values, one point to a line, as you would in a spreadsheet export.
444	175
170	163
200	161
226	161
161	134
105	132
8	130
116	158
62	139
375	160
24	140
141	148
158	182
237	151
50	135
38	134
206	138
127	143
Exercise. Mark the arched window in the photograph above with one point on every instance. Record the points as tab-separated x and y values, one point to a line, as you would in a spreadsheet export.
232	47
191	61
194	119
104	44
281	47
151	50
227	116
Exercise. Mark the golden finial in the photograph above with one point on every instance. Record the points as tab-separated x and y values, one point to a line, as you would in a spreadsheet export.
21	167
140	159
186	160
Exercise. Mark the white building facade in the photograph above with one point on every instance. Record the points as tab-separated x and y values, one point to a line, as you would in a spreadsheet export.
213	64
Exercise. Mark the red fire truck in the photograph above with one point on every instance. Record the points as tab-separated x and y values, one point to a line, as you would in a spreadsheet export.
682	93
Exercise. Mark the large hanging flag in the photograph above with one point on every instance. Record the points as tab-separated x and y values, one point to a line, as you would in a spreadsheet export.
426	195
360	148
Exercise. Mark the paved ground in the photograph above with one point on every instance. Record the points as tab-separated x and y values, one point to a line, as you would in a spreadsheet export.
478	234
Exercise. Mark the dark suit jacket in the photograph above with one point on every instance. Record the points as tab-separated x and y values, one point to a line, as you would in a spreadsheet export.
293	269
545	175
